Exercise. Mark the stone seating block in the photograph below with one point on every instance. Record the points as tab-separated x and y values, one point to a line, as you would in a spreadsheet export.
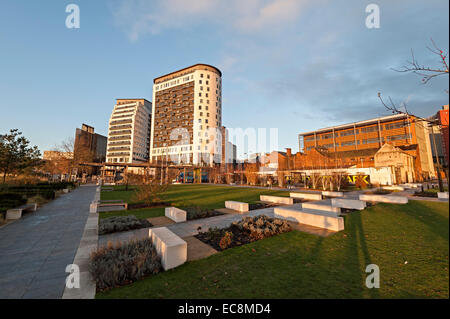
176	214
171	248
239	206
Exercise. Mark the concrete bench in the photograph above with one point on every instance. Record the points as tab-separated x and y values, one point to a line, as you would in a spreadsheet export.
326	220
175	214
66	190
96	204
442	195
239	206
333	194
171	248
321	207
308	196
277	199
16	213
348	203
113	202
384	199
393	188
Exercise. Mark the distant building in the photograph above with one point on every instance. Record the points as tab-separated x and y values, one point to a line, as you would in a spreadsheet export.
443	117
129	132
357	143
228	150
56	155
187	116
89	146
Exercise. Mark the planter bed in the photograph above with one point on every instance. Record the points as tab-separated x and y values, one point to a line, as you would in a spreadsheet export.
198	213
379	191
144	205
426	194
262	205
246	231
121	223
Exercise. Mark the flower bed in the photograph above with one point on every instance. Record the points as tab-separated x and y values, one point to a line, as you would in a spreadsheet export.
121	223
248	230
123	264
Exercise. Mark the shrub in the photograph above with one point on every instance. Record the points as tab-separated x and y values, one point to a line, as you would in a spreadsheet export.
123	264
121	223
198	212
225	242
248	230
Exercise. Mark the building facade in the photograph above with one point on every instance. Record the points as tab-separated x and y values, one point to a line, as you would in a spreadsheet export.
89	146
187	116
361	140
129	131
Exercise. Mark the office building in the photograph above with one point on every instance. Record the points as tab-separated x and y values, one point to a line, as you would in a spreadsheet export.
89	146
129	131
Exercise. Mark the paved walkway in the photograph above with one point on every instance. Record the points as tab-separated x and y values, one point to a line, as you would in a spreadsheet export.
35	250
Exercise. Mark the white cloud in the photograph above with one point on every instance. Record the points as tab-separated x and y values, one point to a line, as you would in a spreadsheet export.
141	17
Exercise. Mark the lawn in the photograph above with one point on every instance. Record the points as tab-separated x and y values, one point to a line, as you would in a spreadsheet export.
205	196
409	243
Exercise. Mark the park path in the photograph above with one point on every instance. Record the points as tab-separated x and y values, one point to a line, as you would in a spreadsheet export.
35	250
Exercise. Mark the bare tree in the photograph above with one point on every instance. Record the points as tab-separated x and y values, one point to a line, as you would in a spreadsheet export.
427	73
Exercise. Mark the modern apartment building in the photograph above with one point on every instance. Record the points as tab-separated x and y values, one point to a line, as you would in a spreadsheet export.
129	131
89	146
187	116
408	132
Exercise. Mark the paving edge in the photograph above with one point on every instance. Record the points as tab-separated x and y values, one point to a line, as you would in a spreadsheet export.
88	243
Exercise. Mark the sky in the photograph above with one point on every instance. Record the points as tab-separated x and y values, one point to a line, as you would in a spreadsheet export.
295	65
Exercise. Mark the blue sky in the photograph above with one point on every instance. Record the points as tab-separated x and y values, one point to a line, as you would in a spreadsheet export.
297	65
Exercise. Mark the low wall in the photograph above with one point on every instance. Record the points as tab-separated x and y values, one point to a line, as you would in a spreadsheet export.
239	206
348	203
171	248
393	188
277	199
323	220
308	196
332	194
384	199
321	207
442	195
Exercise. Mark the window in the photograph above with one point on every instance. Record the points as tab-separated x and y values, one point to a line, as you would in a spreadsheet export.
201	75
369	129
398	137
392	126
372	140
347	133
348	143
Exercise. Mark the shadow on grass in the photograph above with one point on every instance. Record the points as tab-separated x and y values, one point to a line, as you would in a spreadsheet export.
357	245
436	223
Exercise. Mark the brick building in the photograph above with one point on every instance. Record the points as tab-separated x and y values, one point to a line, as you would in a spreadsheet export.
355	144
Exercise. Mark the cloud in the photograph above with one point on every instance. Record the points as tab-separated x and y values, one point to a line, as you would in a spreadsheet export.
140	17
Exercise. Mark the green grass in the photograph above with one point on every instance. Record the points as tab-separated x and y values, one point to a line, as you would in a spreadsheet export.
300	265
205	196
